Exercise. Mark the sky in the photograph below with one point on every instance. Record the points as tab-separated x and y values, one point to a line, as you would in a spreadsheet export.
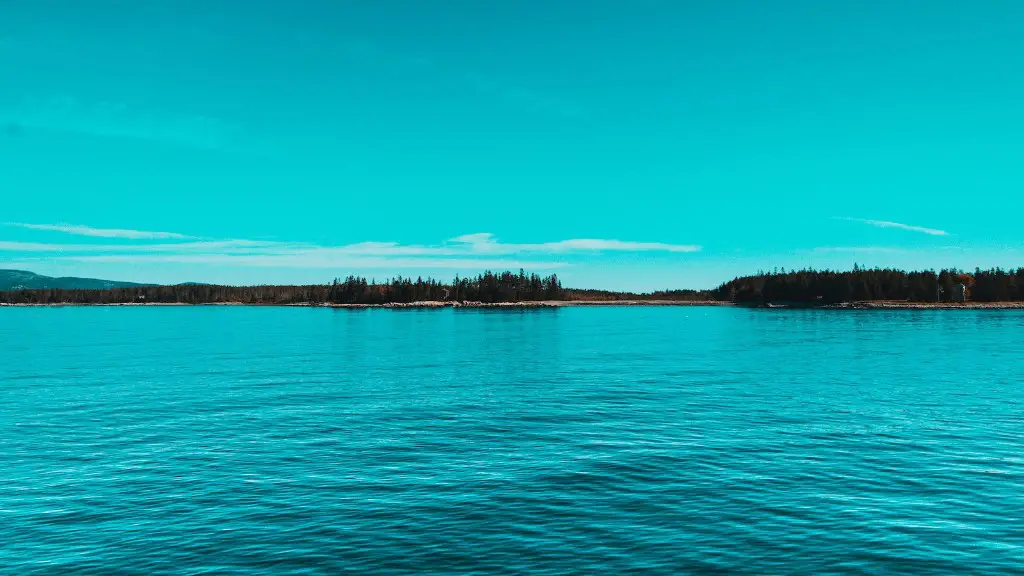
624	145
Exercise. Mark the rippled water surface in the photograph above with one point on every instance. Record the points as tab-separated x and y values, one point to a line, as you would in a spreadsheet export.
659	440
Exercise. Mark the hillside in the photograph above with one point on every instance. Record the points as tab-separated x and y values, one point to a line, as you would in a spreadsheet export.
22	280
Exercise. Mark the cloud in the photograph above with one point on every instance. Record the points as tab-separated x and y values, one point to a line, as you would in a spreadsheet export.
366	53
897	225
324	260
466	245
223	246
102	232
69	114
860	250
471	251
485	242
481	238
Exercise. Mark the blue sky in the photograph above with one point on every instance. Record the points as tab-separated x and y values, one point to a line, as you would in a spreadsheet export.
631	145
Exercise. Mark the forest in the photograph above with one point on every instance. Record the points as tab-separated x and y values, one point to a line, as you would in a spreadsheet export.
802	287
813	287
487	288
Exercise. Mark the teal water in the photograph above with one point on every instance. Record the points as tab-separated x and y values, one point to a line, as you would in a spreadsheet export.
655	440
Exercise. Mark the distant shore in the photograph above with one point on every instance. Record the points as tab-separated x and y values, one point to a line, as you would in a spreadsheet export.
433	304
421	304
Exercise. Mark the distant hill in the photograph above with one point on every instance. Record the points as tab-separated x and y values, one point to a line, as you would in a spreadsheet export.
22	280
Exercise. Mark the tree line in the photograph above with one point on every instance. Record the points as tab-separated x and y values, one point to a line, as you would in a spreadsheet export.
864	284
487	287
809	287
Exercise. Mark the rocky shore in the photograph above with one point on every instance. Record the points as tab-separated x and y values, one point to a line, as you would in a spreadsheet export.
532	304
899	305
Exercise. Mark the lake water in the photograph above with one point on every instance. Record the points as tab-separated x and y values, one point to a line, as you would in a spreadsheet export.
600	441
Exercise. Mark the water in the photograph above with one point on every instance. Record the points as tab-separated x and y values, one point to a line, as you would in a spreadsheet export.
657	440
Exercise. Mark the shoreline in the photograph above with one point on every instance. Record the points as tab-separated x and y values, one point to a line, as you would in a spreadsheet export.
426	304
863	305
532	304
896	305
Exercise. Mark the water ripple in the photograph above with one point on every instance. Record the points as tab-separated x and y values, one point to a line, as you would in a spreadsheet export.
662	441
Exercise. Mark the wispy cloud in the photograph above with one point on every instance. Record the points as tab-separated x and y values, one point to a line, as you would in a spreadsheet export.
319	260
898	226
860	250
218	246
102	232
486	243
69	114
470	251
366	53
